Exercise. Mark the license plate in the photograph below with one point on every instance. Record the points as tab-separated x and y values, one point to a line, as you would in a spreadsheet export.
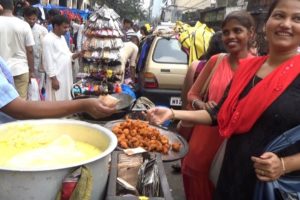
175	101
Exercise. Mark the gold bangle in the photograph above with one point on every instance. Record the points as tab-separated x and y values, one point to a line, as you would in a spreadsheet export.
173	114
283	165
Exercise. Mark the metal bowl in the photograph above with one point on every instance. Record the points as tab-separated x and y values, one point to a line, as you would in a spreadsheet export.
44	183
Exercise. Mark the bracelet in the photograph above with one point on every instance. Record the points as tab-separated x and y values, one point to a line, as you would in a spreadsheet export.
173	114
283	165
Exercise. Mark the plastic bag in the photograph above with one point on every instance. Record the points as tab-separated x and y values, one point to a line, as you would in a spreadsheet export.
148	179
33	90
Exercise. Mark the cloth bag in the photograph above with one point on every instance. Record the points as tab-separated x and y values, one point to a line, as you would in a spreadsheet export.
287	187
216	164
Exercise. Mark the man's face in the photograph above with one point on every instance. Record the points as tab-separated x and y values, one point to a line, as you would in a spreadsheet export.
63	28
126	25
31	20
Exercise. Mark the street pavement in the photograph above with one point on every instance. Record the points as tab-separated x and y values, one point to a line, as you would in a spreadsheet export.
174	177
175	181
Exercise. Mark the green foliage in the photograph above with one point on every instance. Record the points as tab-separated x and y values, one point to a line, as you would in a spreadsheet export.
131	9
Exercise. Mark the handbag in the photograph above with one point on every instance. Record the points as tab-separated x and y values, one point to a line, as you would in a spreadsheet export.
204	88
287	187
216	164
185	128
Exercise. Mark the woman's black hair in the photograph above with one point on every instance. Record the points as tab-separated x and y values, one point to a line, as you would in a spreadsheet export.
242	16
215	46
271	8
144	29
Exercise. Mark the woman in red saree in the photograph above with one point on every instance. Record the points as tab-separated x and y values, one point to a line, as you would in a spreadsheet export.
237	32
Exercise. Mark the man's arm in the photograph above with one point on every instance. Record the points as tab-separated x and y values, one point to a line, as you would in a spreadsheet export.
29	43
30	60
21	109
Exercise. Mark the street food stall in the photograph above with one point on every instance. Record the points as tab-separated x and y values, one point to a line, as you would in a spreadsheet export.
42	159
82	158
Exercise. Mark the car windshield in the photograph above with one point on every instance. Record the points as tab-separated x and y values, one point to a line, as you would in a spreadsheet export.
169	51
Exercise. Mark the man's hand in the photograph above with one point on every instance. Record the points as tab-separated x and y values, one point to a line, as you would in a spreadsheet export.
77	55
31	75
54	83
97	109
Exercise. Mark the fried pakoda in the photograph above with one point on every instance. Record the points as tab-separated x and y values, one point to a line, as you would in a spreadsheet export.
176	146
136	133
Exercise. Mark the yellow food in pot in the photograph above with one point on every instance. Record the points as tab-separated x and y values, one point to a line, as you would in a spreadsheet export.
25	147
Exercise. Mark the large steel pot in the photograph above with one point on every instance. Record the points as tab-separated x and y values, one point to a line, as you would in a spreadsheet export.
44	183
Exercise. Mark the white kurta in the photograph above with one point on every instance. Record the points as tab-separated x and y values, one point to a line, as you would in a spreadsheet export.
57	60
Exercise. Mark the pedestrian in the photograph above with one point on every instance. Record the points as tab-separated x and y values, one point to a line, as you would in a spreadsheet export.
50	14
143	33
39	32
261	104
57	60
127	29
16	43
128	54
13	107
237	34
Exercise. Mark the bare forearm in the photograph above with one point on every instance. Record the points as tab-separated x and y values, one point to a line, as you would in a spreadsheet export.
30	59
197	117
21	109
292	163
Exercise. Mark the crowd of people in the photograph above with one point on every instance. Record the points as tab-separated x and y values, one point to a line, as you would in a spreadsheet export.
46	49
22	59
237	104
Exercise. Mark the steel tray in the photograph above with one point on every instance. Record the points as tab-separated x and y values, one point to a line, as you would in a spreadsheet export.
173	137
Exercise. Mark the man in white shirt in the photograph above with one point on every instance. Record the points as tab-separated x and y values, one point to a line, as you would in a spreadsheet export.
16	41
128	54
39	32
57	60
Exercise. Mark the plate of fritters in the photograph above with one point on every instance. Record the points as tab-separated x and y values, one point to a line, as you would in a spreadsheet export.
138	133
